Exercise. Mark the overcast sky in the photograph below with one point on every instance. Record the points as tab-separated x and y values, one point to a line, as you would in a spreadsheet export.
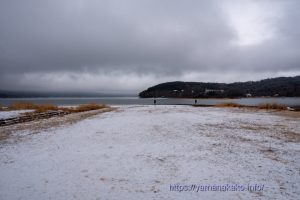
130	45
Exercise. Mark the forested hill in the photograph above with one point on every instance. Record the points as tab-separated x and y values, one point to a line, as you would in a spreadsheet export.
274	87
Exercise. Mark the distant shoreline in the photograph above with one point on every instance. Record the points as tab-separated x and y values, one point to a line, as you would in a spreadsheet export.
137	97
66	101
274	87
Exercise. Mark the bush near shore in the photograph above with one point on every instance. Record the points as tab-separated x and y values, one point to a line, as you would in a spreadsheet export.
50	107
267	106
32	106
232	105
85	107
94	106
272	106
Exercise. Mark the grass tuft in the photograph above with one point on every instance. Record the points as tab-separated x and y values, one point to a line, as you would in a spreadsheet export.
273	106
231	105
32	106
267	106
85	107
22	106
45	108
49	107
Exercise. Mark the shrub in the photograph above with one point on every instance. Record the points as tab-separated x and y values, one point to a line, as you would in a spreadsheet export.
86	107
274	106
235	105
47	107
32	106
21	105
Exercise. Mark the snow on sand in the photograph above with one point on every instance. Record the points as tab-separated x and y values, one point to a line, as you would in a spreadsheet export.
137	152
13	113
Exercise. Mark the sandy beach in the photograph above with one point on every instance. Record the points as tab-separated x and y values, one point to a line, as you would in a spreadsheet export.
154	152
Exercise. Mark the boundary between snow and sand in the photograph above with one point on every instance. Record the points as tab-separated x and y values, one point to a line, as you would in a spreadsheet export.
38	125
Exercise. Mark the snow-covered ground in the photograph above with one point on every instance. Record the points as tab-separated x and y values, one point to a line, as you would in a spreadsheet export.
13	113
140	152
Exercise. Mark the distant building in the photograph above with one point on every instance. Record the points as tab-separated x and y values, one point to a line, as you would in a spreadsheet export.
212	90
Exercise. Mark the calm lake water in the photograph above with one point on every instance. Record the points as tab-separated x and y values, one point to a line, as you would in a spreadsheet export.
289	101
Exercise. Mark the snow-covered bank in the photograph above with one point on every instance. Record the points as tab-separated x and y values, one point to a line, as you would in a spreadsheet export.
137	152
12	113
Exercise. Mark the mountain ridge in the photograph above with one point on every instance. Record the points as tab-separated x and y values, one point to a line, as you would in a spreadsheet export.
275	87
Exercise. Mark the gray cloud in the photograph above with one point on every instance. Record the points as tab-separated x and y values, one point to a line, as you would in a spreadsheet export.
114	44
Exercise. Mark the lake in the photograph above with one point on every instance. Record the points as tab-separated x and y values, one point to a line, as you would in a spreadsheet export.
289	101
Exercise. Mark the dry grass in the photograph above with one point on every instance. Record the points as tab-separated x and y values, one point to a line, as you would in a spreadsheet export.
254	127
85	107
1	107
267	106
231	105
32	106
49	107
45	108
273	106
21	105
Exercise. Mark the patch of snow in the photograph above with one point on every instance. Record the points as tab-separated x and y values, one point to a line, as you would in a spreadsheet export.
13	113
137	152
